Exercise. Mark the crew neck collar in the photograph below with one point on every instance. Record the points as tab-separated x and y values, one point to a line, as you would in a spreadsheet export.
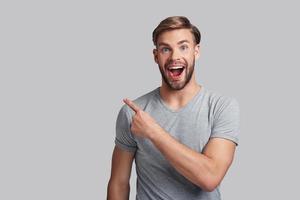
166	107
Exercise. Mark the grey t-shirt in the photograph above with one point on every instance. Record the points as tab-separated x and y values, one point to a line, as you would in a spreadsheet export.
207	115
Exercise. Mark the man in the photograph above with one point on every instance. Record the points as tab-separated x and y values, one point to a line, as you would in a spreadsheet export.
181	136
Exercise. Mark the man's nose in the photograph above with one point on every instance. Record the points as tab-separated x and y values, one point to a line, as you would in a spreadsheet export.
175	55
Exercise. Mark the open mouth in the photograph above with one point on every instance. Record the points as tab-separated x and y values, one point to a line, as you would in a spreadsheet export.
176	71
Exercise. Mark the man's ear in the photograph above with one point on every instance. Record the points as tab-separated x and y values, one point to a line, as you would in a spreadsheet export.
155	55
197	51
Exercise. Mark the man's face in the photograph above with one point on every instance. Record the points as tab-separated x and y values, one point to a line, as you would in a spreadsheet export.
175	55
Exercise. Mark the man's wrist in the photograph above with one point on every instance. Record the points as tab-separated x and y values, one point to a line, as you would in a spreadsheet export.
157	132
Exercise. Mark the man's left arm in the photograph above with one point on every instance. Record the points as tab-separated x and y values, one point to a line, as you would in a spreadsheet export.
205	169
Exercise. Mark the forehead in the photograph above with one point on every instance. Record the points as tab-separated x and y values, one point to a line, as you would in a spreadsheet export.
174	36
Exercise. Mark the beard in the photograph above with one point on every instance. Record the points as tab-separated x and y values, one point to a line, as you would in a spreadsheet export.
176	85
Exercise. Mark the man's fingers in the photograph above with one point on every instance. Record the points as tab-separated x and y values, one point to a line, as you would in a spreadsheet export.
132	105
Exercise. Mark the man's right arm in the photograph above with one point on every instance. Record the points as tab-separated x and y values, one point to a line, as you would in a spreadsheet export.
118	186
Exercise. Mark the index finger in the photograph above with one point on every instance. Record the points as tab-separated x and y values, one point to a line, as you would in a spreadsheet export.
132	105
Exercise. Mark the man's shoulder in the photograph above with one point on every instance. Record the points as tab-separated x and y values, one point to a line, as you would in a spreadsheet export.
141	101
144	99
217	98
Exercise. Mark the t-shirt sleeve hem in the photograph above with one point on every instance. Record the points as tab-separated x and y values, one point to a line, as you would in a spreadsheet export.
225	136
125	147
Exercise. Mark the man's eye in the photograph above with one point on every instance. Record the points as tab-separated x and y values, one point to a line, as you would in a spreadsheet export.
184	47
165	50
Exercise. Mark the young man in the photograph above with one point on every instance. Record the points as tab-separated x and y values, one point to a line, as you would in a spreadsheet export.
181	136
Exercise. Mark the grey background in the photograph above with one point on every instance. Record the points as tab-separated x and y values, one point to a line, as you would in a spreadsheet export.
66	65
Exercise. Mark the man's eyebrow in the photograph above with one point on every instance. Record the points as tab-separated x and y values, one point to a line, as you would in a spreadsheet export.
163	44
180	42
183	41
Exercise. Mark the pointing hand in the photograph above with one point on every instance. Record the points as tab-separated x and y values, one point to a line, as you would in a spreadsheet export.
143	124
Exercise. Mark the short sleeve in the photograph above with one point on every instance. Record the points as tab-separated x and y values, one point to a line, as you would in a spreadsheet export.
226	120
124	138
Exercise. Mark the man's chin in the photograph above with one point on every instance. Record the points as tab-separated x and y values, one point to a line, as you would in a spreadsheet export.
177	86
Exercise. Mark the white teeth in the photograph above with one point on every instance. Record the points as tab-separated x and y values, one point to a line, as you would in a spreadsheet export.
176	67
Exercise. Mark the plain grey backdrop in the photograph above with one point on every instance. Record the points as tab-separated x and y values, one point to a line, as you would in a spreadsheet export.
67	65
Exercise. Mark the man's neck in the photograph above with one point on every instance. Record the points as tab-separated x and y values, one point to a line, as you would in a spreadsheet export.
177	99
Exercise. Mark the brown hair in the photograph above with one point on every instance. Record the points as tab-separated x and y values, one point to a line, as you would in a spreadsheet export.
175	22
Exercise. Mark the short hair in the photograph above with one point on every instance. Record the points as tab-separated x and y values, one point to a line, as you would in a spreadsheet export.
173	23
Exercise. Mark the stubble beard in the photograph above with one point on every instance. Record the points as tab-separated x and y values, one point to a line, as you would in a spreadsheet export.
187	77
